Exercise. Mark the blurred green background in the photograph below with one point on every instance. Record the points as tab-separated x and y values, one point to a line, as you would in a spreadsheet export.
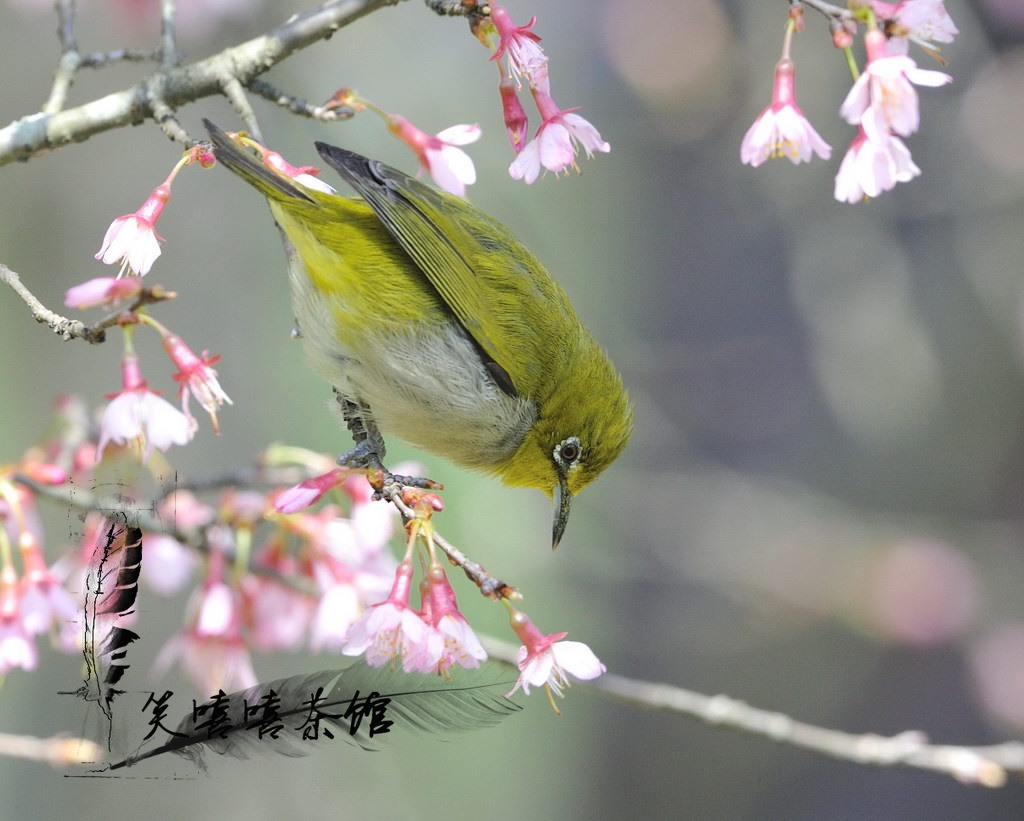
822	510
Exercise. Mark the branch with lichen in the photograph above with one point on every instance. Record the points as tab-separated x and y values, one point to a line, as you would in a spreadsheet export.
173	84
67	328
988	766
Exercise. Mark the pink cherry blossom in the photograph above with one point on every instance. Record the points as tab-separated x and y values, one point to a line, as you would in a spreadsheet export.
546	660
393	630
102	291
17	649
925	22
132	240
74	569
516	121
279	616
196	377
186	511
304	175
309	491
169	565
871	167
461	645
390	631
450	166
44	601
338	610
212	662
883	98
141	415
553	666
782	130
211	647
370	572
554	145
373	524
136	414
517	44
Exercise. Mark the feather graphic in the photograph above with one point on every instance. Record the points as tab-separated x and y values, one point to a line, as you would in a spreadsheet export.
362	705
111	592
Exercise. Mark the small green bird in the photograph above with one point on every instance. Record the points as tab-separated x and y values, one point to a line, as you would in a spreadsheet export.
435	324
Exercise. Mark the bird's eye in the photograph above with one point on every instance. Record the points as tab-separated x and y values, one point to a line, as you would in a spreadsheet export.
568	452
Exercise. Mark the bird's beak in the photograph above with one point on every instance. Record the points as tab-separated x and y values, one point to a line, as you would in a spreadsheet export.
563	501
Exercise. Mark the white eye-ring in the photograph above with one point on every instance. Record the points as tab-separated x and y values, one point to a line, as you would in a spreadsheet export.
568	452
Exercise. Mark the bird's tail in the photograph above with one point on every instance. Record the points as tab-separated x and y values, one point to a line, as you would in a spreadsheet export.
270	183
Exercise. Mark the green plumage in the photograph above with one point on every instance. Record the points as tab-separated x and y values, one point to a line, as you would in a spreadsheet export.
431	316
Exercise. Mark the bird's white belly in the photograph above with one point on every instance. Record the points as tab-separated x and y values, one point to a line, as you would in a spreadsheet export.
426	385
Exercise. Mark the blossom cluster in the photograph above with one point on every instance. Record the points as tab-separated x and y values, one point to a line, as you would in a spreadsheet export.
882	103
136	415
268	582
33	602
309	577
517	53
436	636
274	574
554	144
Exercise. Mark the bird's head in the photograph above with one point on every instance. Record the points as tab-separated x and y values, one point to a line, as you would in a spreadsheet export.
581	428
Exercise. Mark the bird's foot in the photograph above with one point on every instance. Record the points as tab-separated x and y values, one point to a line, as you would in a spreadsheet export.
386	485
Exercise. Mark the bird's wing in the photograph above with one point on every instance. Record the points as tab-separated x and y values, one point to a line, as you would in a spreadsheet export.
424	222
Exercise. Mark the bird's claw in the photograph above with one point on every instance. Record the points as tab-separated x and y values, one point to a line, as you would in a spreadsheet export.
385	484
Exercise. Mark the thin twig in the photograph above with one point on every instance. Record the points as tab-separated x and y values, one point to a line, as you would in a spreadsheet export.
73	328
297	105
168	35
988	766
66	25
102	59
828	9
457	8
235	93
247	477
164	114
60	325
490	586
146	518
70	59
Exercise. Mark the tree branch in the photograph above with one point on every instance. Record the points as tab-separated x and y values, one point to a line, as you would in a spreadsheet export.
47	130
60	325
73	328
296	105
988	766
145	517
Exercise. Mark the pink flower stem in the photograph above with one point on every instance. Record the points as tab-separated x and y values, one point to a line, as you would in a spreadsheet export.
402	587
187	158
